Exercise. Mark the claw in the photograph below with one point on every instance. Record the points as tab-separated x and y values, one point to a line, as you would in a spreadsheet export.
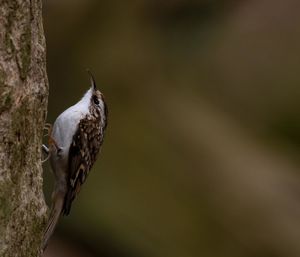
48	128
46	150
51	142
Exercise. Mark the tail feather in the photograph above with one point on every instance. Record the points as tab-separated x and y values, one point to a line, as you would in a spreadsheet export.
68	202
55	213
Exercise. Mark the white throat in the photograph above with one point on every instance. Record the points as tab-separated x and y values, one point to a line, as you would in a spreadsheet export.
67	122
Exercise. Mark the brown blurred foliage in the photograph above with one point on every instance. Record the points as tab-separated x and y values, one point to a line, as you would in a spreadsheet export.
201	152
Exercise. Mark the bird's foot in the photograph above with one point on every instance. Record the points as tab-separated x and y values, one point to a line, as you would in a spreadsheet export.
46	151
48	128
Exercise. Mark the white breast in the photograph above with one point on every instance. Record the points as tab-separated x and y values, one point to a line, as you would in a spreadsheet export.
67	122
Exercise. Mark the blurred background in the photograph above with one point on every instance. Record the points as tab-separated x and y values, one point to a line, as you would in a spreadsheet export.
201	154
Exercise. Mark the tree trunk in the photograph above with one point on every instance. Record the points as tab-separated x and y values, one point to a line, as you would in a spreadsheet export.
23	105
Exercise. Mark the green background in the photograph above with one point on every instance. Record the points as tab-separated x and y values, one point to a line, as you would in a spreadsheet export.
201	154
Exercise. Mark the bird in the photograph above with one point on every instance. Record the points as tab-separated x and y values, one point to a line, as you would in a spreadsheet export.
75	140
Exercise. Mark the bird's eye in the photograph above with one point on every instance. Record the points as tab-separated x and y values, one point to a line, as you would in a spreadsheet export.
96	101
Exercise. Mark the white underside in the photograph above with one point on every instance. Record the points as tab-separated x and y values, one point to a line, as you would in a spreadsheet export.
67	122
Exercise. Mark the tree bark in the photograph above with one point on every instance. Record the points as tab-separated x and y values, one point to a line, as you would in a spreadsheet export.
23	105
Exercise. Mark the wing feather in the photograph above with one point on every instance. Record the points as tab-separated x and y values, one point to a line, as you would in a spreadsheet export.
82	154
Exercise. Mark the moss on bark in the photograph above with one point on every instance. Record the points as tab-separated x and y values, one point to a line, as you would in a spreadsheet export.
23	103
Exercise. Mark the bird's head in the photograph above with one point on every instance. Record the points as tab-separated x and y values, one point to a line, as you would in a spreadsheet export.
97	101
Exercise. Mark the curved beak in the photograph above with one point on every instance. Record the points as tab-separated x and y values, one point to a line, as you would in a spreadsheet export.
93	82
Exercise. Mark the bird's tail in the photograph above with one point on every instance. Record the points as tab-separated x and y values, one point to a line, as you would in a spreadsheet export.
56	209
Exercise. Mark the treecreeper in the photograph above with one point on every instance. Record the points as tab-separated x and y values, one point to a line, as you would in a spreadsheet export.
75	140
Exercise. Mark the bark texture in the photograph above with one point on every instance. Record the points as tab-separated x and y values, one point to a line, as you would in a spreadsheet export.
23	103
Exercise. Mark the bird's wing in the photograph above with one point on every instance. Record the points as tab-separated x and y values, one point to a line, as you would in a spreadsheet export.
83	151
